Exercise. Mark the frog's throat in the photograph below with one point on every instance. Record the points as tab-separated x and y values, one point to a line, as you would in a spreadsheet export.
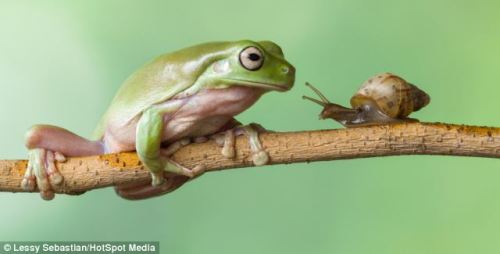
266	86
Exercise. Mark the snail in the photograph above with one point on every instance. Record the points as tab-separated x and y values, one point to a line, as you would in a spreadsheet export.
384	98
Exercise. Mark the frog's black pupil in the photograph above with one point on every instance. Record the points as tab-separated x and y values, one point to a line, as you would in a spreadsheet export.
254	57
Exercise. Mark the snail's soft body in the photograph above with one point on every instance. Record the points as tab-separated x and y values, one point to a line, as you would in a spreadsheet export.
384	98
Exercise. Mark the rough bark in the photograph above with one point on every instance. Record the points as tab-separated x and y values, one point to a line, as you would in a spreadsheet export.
82	174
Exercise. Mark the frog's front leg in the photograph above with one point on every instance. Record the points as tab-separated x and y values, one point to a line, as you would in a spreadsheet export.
48	144
226	139
142	190
149	133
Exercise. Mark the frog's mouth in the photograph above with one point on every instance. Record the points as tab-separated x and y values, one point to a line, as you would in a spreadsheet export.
267	86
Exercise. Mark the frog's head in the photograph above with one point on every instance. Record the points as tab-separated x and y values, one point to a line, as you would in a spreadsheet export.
253	64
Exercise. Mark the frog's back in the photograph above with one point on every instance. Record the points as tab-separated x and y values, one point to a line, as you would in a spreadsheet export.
158	81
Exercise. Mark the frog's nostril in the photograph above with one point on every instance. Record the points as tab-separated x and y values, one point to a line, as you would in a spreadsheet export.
285	69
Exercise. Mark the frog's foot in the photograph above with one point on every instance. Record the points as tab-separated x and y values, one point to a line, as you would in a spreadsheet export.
177	169
168	183
42	172
226	139
171	166
138	191
259	155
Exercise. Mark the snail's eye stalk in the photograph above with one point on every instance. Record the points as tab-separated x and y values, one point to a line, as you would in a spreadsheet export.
314	100
321	96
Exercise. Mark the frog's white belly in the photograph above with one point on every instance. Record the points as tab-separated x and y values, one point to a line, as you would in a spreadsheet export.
208	111
180	128
201	114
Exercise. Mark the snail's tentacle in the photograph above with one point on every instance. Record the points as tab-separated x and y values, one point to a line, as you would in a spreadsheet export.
314	100
323	97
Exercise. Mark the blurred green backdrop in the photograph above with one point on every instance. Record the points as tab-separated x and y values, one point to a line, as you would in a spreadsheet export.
62	61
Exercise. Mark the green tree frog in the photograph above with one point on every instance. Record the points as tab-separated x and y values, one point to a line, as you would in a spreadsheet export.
190	94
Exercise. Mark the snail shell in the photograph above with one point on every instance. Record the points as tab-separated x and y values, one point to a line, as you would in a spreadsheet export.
391	94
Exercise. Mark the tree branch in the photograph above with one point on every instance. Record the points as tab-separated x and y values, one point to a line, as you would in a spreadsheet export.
82	174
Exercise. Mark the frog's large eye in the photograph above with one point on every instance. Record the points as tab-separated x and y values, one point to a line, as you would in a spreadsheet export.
251	58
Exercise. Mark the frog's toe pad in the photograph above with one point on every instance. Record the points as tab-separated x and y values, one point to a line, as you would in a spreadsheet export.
47	195
55	179
260	158
187	172
193	173
157	179
29	183
198	170
228	152
59	157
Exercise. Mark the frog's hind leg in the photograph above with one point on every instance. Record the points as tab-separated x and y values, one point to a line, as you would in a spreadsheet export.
138	191
48	145
169	183
58	139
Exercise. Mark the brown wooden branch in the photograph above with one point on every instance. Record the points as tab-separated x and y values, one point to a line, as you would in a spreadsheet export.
82	174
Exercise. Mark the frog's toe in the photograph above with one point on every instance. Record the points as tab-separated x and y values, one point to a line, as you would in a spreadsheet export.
219	138
55	178
173	167
226	140
157	178
259	155
59	157
229	143
47	195
29	181
187	172
43	184
177	169
42	181
198	170
42	172
260	158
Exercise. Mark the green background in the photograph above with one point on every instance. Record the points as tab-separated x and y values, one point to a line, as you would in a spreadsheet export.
62	61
